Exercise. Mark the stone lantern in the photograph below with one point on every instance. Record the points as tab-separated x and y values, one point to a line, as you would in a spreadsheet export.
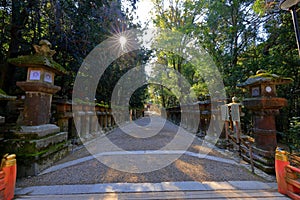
37	143
264	105
39	86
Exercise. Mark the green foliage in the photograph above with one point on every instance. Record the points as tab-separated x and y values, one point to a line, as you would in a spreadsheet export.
259	7
2	92
230	28
293	135
139	98
73	27
242	37
179	18
263	7
226	29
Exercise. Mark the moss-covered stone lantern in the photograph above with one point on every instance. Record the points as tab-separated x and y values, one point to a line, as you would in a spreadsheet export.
39	86
264	105
37	143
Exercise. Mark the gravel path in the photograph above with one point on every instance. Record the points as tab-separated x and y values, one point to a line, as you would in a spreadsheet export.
129	143
186	168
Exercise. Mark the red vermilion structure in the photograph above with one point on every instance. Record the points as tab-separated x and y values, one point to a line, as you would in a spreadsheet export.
10	174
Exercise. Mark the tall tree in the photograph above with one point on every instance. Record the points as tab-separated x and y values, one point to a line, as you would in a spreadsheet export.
12	38
73	27
228	29
177	16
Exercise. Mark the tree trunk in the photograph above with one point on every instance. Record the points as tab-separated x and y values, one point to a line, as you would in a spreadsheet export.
18	19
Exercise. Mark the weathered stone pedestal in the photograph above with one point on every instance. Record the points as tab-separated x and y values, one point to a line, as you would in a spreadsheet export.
264	106
37	147
37	102
37	143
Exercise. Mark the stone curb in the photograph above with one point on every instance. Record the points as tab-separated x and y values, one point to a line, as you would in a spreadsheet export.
147	152
144	187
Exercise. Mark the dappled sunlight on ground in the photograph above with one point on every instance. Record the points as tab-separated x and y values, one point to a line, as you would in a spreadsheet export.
188	169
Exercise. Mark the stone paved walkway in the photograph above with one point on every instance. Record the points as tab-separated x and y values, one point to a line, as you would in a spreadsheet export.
94	169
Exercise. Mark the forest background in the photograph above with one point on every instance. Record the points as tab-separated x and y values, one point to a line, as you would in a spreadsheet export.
242	36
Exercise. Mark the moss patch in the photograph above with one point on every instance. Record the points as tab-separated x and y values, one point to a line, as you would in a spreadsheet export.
37	61
270	76
265	77
25	150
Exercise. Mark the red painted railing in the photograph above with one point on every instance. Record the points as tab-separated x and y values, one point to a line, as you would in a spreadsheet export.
288	174
293	179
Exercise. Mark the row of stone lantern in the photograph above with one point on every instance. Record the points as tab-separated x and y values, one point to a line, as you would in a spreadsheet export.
92	121
90	125
39	88
263	104
187	115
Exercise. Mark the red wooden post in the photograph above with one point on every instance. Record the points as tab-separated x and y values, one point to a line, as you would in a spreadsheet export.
10	171
281	161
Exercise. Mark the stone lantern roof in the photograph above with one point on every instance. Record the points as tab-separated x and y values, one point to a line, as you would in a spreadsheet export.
41	58
264	77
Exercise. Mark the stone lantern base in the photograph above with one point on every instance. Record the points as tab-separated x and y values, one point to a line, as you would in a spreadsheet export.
262	159
264	111
37	147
